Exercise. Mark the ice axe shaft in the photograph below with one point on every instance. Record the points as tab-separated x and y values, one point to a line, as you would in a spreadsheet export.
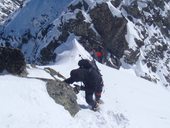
52	72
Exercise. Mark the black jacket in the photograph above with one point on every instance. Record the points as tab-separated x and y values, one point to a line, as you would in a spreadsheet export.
90	77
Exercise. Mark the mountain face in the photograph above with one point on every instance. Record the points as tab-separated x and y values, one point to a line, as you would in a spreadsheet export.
33	16
136	32
7	7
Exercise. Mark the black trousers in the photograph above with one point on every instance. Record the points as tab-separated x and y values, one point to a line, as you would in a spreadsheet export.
89	95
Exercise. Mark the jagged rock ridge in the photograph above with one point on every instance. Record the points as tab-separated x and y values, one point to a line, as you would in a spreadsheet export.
135	31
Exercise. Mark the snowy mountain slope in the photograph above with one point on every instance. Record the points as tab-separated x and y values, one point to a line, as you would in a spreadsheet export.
135	31
26	103
7	7
34	16
147	37
145	47
129	101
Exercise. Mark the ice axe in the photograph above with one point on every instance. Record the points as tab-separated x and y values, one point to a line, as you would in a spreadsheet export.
52	72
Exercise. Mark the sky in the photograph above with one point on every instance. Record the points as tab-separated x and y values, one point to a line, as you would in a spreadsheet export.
129	101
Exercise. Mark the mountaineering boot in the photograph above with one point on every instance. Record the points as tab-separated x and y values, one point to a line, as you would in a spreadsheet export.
95	107
99	101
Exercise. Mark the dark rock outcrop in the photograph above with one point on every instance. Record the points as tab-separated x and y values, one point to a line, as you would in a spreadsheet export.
104	31
111	29
77	26
116	3
133	10
12	60
131	56
63	94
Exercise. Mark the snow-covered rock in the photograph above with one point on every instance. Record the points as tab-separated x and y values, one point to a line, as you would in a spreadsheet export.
8	7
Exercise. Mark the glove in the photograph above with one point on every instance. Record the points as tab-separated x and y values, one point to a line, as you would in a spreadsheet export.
76	89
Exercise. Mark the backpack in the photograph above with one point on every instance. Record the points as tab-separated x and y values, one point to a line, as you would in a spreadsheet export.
87	64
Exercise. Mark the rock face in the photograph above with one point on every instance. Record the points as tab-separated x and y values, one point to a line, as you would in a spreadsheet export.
104	30
12	60
112	29
64	95
128	31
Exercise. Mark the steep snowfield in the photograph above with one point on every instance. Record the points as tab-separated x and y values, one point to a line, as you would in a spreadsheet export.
25	103
129	101
35	15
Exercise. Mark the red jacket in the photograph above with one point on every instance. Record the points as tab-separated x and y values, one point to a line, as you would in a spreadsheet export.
99	54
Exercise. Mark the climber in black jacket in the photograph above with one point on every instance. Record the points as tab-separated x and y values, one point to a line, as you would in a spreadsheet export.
91	79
